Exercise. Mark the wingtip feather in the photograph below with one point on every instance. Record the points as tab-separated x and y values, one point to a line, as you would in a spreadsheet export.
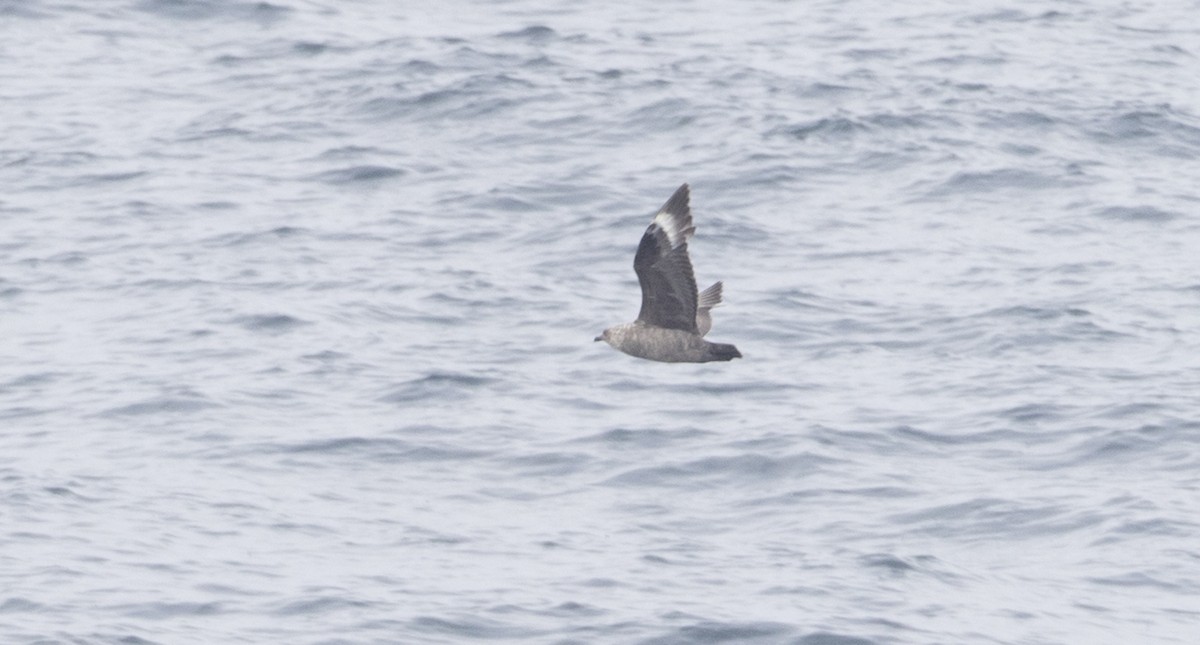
675	217
710	297
680	202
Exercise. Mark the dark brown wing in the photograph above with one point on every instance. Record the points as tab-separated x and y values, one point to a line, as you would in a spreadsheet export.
664	269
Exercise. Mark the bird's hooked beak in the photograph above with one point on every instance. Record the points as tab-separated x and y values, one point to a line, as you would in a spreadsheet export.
598	339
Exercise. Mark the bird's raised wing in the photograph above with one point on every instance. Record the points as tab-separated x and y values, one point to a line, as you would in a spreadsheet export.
664	269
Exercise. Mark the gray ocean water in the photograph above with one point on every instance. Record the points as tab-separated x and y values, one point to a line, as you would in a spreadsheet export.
297	301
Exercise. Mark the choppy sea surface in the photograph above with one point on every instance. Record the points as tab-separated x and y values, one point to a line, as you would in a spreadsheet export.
297	301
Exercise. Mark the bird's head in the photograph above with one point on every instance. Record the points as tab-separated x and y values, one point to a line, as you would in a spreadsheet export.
604	336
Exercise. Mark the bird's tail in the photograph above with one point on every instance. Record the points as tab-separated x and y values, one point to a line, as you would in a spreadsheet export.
722	352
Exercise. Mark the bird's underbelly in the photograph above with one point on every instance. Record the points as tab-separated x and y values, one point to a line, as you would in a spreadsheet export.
667	345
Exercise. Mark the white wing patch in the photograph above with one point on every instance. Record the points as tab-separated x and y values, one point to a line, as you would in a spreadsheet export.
671	225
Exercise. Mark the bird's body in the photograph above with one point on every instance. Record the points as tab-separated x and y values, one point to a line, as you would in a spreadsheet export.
674	318
666	345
